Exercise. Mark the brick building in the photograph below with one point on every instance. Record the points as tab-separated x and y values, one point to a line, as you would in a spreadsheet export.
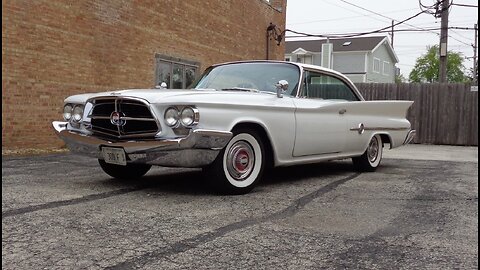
52	49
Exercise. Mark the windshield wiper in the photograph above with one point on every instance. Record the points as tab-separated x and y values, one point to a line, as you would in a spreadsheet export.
241	89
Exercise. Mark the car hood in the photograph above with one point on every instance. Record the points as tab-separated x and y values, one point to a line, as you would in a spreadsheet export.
167	95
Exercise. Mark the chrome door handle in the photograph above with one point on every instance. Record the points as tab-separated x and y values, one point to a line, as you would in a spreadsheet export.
342	111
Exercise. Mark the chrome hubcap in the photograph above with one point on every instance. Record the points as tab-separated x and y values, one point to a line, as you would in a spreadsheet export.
372	151
240	160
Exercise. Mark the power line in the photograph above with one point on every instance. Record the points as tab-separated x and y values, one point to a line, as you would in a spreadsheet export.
353	34
342	7
346	18
464	5
378	14
362	8
438	10
346	35
383	16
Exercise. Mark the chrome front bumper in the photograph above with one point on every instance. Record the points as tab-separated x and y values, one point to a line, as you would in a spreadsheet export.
410	136
198	149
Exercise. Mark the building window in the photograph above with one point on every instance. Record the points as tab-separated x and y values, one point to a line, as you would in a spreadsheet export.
287	59
376	65
386	68
175	72
305	59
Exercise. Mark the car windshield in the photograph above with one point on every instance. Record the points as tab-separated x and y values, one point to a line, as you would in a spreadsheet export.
257	76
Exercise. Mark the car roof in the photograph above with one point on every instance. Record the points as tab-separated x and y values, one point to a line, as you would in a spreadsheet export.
286	62
303	67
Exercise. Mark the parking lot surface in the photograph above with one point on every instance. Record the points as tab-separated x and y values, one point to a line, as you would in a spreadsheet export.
418	211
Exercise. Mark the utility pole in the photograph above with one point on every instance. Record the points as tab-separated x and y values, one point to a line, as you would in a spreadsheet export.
443	41
393	23
475	62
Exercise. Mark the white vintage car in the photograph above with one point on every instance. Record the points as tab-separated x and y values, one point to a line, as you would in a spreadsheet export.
238	119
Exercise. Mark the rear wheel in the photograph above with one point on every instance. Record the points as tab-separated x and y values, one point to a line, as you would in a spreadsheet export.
240	165
370	160
131	170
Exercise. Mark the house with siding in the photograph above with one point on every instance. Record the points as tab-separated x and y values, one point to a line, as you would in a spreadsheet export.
362	59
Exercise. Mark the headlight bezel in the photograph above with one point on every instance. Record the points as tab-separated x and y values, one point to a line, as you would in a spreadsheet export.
194	116
181	113
67	111
80	113
175	115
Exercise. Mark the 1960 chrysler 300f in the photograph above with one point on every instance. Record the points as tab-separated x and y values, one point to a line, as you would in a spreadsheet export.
238	119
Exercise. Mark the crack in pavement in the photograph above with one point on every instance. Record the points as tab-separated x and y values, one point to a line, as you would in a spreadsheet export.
54	204
190	243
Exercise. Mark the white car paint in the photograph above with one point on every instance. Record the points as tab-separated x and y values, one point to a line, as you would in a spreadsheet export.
300	130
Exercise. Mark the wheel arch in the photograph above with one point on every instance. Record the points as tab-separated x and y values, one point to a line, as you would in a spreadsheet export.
265	136
386	138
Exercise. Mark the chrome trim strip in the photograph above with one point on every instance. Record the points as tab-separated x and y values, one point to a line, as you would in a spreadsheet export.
343	79
411	134
377	128
130	135
199	148
123	118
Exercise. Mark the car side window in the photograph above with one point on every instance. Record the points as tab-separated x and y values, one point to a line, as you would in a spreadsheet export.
322	86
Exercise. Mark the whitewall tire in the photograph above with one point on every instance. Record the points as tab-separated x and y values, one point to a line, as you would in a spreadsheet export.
371	158
239	166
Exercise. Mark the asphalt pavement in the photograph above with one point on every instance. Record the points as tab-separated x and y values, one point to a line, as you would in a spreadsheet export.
419	210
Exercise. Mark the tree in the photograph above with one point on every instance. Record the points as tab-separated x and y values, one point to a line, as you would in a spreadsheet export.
400	79
472	74
427	67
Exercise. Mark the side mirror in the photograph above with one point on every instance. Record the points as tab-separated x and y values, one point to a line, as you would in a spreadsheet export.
282	86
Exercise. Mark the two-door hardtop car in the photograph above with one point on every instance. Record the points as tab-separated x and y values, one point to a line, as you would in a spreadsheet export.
237	119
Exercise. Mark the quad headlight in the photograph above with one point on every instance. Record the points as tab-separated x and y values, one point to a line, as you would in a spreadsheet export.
67	112
77	114
187	117
171	116
73	112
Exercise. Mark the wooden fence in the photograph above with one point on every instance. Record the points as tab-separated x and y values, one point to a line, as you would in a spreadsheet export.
441	113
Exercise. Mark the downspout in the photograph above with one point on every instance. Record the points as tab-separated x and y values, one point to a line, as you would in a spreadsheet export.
268	45
271	27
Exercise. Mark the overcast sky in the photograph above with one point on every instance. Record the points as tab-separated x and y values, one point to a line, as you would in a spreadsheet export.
335	16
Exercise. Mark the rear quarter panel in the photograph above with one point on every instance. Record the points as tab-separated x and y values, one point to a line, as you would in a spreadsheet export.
378	117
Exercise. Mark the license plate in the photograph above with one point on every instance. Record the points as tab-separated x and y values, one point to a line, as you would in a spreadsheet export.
114	156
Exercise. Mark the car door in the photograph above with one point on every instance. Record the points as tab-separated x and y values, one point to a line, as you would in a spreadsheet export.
321	124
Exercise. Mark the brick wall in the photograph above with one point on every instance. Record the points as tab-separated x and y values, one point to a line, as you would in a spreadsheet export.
52	49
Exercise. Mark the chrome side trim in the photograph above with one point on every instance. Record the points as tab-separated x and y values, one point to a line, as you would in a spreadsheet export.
376	128
411	134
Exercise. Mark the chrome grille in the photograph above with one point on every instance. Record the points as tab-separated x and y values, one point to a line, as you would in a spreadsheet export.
121	118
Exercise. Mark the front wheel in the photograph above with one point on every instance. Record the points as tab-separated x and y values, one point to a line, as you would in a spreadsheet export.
370	160
239	166
130	171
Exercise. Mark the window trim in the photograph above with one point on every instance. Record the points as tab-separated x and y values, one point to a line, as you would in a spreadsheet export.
301	92
379	64
385	63
172	61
